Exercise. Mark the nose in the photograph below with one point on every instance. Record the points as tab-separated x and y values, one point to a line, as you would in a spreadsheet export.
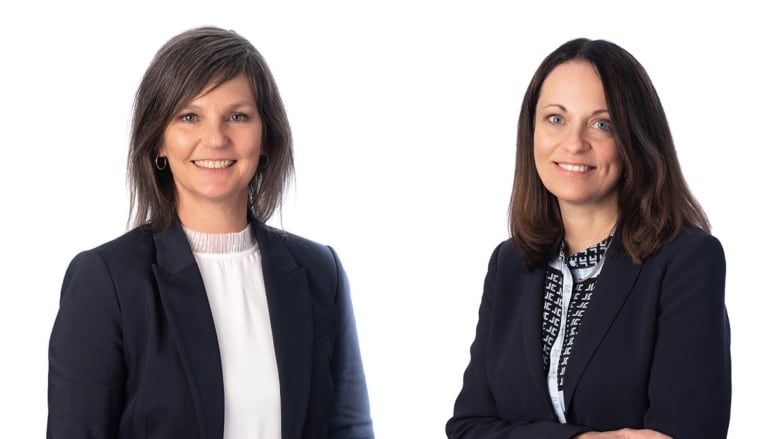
215	134
576	141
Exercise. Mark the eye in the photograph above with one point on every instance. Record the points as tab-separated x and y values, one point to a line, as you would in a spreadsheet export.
239	117
555	119
603	124
188	117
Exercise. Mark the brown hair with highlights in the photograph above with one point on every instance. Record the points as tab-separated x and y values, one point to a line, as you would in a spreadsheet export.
181	69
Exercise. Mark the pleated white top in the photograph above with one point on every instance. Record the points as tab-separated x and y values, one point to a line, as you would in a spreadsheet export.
230	267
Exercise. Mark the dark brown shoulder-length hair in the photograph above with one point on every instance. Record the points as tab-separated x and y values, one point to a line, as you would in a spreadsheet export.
181	69
654	201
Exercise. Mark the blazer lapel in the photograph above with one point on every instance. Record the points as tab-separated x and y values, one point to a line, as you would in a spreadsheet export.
531	306
186	305
290	308
613	287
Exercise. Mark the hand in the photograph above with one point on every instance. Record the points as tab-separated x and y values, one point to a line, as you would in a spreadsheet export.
626	433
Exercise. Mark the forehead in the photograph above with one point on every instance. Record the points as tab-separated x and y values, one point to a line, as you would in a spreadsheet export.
238	82
573	83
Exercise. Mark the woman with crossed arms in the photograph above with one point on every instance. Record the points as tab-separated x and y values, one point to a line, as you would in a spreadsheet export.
603	316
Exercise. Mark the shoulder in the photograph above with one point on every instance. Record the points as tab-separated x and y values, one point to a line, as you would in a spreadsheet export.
691	243
305	251
695	236
508	267
136	244
691	267
506	251
134	247
507	257
287	251
94	272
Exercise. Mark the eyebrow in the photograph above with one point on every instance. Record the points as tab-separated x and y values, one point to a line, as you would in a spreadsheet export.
230	107
562	107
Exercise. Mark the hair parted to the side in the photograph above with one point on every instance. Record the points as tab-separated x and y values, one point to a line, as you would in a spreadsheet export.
181	69
654	201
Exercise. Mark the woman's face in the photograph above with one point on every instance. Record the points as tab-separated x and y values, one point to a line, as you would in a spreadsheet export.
575	151
213	146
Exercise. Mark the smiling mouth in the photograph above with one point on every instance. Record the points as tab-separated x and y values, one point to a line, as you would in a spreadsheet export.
213	164
574	168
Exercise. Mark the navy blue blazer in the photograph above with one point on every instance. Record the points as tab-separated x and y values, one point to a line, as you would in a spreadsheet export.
652	350
134	353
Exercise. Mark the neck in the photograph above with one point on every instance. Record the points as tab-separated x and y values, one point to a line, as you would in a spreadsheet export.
210	218
585	227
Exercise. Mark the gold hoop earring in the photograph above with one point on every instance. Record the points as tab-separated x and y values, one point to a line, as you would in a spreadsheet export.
263	161
158	165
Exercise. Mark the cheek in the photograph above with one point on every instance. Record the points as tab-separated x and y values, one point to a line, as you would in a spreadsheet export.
173	143
540	158
253	154
537	154
544	141
611	155
164	141
251	142
252	165
541	148
167	149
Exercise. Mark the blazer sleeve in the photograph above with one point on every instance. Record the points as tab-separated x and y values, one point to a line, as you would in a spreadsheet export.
351	418
86	365
690	378
476	415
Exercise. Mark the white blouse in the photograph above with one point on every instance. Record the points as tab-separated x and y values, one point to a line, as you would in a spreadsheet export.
230	267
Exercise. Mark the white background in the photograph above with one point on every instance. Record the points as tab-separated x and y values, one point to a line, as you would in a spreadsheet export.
403	115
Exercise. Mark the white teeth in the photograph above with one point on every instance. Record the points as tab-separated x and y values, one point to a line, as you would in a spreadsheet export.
574	168
213	164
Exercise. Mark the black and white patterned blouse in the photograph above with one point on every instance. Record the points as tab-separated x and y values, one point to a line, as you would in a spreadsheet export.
567	292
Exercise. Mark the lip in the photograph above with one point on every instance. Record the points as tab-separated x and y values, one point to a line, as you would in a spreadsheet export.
574	168
214	164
